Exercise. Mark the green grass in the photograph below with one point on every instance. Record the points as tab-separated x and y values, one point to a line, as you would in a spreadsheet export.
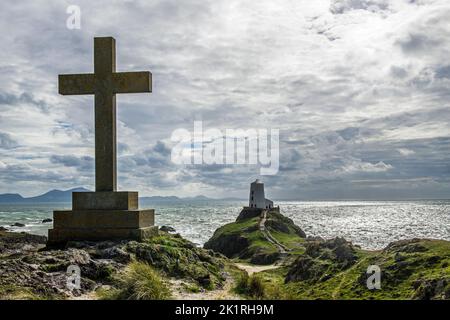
398	280
139	282
252	287
12	292
293	242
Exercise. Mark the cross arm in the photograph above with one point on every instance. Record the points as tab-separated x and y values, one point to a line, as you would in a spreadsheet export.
132	82
71	84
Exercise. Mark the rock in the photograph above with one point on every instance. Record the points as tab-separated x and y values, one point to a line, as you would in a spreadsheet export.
249	213
47	220
432	289
3	229
406	246
315	238
114	253
179	258
230	245
18	224
167	229
264	258
243	239
321	260
39	271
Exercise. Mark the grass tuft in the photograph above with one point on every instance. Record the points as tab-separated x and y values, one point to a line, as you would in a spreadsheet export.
139	282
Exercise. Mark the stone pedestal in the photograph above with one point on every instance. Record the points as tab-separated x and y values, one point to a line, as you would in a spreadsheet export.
103	216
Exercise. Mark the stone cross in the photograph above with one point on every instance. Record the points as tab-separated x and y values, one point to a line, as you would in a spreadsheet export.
104	83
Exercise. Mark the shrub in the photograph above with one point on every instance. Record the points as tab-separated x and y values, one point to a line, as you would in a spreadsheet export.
242	283
139	282
251	286
256	287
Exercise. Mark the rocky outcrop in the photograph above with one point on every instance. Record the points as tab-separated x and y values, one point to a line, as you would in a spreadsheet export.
321	260
337	269
18	224
167	229
30	270
245	239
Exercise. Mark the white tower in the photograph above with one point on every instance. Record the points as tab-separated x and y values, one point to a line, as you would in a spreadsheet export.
257	198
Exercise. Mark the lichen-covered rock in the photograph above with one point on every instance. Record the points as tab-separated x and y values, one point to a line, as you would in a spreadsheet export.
180	258
321	260
432	289
29	270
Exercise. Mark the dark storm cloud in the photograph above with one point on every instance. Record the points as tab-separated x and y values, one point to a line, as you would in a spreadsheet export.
80	163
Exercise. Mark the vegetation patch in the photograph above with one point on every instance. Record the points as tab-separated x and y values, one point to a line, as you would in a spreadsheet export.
244	240
139	281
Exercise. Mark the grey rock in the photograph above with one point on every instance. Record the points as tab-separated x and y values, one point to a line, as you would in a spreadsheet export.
18	224
167	229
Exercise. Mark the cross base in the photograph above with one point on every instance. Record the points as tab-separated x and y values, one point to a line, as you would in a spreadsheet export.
100	216
57	236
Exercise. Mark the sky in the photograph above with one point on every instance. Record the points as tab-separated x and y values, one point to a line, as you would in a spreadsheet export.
358	89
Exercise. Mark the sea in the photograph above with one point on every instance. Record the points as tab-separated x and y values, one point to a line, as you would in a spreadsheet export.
370	224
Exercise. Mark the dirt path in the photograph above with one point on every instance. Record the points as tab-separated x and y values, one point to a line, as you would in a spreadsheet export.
251	269
179	292
262	227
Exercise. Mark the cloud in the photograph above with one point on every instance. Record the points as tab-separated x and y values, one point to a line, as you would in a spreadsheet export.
6	142
366	167
81	163
358	89
343	6
406	152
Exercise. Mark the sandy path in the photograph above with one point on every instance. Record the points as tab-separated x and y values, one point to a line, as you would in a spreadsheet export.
225	293
251	269
262	227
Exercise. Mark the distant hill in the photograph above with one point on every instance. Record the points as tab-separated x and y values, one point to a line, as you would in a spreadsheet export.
51	196
66	196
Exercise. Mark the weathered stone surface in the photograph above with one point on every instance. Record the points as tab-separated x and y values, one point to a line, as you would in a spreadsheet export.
27	271
105	83
104	219
167	229
107	200
18	224
322	259
244	239
62	235
106	213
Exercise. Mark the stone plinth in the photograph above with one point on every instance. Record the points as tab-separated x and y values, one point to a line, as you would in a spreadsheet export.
91	234
102	216
105	200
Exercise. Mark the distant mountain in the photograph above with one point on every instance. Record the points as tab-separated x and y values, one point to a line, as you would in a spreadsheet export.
51	196
174	199
66	196
11	198
160	199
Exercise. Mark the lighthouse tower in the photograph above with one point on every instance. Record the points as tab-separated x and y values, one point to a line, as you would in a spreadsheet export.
257	198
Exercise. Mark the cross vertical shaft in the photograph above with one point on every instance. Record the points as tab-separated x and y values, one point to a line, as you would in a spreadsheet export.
105	115
105	214
105	83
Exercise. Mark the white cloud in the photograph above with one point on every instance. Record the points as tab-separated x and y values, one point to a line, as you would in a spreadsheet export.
352	84
405	152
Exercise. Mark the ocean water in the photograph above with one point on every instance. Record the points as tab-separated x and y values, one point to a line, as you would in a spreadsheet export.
370	224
